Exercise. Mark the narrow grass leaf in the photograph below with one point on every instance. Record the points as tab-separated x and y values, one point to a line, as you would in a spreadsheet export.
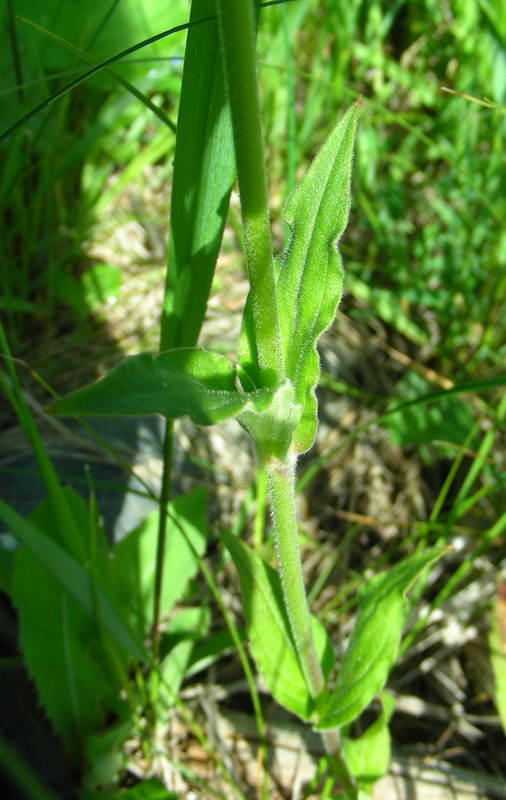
269	634
88	74
374	640
310	281
202	182
118	78
189	381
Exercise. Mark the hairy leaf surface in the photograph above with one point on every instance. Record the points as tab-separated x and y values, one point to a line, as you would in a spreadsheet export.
188	381
374	640
310	281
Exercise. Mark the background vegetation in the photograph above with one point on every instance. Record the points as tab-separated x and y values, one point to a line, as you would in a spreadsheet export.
84	193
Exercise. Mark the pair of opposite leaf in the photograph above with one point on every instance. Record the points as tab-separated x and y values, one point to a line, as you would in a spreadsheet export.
309	282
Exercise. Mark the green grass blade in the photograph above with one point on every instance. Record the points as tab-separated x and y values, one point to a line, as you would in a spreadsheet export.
203	176
89	73
118	78
67	530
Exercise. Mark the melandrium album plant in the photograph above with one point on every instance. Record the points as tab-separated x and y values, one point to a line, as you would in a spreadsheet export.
269	390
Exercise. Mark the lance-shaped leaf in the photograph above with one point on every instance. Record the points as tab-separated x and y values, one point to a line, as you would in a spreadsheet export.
310	281
189	381
270	637
374	640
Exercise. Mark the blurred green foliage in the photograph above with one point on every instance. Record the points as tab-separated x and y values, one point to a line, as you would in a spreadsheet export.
429	183
429	187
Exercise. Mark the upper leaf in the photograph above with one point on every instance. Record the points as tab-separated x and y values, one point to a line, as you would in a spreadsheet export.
310	281
186	381
374	640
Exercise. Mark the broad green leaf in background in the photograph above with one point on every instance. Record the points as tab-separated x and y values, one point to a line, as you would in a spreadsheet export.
310	281
374	641
448	419
57	639
269	634
60	642
104	751
368	757
135	558
203	177
74	579
385	303
187	381
181	632
497	645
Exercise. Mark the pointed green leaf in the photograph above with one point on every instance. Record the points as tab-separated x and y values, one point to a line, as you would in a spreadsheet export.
187	381
59	642
374	640
269	633
310	281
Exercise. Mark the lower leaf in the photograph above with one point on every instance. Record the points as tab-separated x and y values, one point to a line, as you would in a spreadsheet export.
374	641
368	757
269	633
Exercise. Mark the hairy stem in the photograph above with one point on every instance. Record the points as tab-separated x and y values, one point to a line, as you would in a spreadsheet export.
281	478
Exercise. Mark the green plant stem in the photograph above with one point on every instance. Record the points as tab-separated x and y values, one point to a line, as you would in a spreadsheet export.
159	565
261	505
162	535
281	480
237	31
